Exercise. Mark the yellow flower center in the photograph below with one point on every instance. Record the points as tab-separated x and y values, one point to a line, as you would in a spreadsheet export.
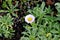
29	19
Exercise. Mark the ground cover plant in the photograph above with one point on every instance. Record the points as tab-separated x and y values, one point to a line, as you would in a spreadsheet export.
45	27
6	28
29	20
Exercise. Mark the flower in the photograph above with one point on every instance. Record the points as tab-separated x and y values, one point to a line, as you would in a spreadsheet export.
29	18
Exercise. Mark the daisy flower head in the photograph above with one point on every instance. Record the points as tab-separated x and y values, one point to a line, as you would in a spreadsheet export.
29	18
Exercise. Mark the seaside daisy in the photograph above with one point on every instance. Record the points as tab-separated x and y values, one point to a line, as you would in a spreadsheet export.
29	18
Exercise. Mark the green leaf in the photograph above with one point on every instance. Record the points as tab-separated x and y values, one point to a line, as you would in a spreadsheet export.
54	31
3	11
24	38
4	5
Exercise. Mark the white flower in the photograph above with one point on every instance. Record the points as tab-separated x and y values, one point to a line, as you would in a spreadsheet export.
29	18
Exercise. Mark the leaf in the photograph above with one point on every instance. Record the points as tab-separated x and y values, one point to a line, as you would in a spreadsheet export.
4	5
3	11
57	6
16	4
25	33
42	6
54	31
48	10
24	38
6	23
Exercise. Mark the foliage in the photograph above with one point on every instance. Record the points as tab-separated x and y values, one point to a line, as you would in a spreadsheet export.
45	27
6	28
57	5
7	4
